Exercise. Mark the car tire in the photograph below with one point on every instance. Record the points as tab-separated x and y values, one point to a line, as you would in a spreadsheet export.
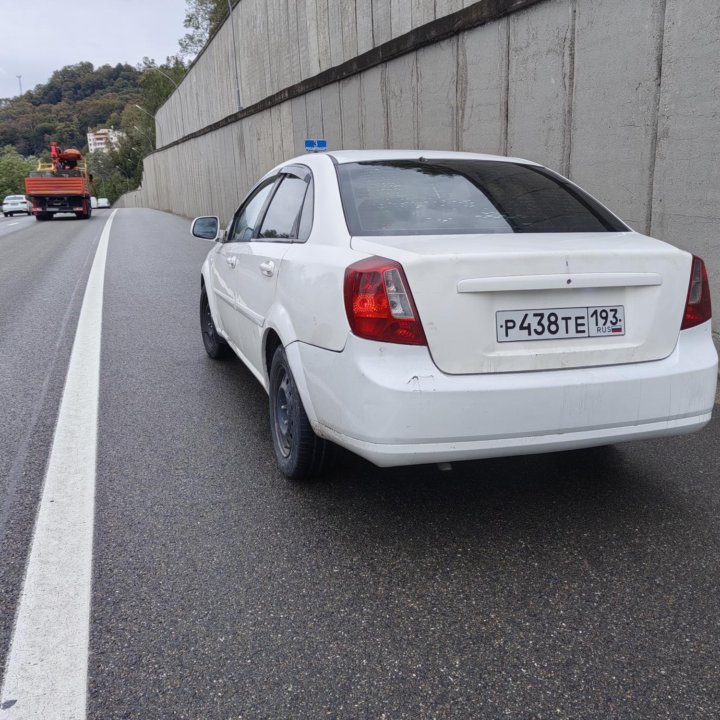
300	453
42	216
215	345
6	214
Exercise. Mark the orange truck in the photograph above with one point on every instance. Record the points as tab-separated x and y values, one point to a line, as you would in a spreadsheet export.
60	186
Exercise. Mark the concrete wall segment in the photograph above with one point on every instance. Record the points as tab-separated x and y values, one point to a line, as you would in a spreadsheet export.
402	105
422	12
364	21
331	117
275	41
381	22
313	113
686	189
613	117
373	119
323	34
539	69
311	29
482	85
335	30
400	16
445	7
436	90
298	113
350	116
348	22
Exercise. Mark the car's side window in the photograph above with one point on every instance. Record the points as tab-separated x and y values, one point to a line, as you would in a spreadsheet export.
282	215
248	216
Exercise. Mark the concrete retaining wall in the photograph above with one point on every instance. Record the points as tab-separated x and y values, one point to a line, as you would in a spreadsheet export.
622	97
269	45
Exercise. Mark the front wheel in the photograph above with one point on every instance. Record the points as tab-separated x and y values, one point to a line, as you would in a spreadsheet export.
299	452
215	346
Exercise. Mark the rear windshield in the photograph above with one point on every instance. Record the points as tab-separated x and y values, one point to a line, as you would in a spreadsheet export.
15	197
449	197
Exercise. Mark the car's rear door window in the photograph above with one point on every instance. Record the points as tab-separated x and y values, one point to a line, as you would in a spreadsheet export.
418	197
283	213
248	216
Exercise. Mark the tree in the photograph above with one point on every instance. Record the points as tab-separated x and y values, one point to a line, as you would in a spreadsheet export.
136	143
202	19
14	168
108	181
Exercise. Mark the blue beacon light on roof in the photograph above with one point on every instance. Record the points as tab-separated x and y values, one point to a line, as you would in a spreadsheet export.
315	145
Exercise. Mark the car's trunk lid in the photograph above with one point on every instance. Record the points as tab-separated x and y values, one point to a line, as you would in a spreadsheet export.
469	289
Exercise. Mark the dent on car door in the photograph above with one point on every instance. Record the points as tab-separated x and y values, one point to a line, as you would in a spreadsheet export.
225	262
260	265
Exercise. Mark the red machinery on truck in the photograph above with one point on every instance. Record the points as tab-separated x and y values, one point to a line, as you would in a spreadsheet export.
60	186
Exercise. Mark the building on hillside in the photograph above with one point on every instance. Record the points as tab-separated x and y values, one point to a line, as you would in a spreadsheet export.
103	139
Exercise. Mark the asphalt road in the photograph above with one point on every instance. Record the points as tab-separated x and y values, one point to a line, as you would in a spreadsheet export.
14	223
575	585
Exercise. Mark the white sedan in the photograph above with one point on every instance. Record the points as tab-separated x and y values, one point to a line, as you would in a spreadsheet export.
419	307
16	204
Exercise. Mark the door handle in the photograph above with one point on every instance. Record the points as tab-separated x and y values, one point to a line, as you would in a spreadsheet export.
267	268
231	260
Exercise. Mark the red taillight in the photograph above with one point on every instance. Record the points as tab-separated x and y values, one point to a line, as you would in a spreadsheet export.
379	304
697	308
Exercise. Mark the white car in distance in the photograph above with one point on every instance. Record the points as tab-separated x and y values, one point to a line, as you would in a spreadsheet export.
419	307
13	204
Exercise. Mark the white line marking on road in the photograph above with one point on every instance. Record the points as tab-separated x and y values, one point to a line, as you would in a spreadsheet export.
11	224
46	672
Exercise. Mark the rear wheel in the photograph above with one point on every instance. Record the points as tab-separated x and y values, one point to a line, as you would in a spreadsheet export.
215	346
43	216
300	453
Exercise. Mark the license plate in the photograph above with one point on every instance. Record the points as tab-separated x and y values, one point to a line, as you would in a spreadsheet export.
560	323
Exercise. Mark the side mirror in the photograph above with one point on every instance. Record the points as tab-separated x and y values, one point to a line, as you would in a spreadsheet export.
205	227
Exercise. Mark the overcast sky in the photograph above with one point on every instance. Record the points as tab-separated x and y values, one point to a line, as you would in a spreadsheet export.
41	36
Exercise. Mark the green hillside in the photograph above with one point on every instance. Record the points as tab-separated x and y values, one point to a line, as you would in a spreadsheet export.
76	98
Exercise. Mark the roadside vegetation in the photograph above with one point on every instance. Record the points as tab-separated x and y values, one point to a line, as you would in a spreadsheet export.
14	168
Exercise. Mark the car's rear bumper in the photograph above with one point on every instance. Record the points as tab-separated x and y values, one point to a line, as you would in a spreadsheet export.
391	405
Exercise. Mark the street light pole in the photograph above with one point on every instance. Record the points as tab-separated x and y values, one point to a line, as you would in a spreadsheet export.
19	77
164	75
235	58
142	109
